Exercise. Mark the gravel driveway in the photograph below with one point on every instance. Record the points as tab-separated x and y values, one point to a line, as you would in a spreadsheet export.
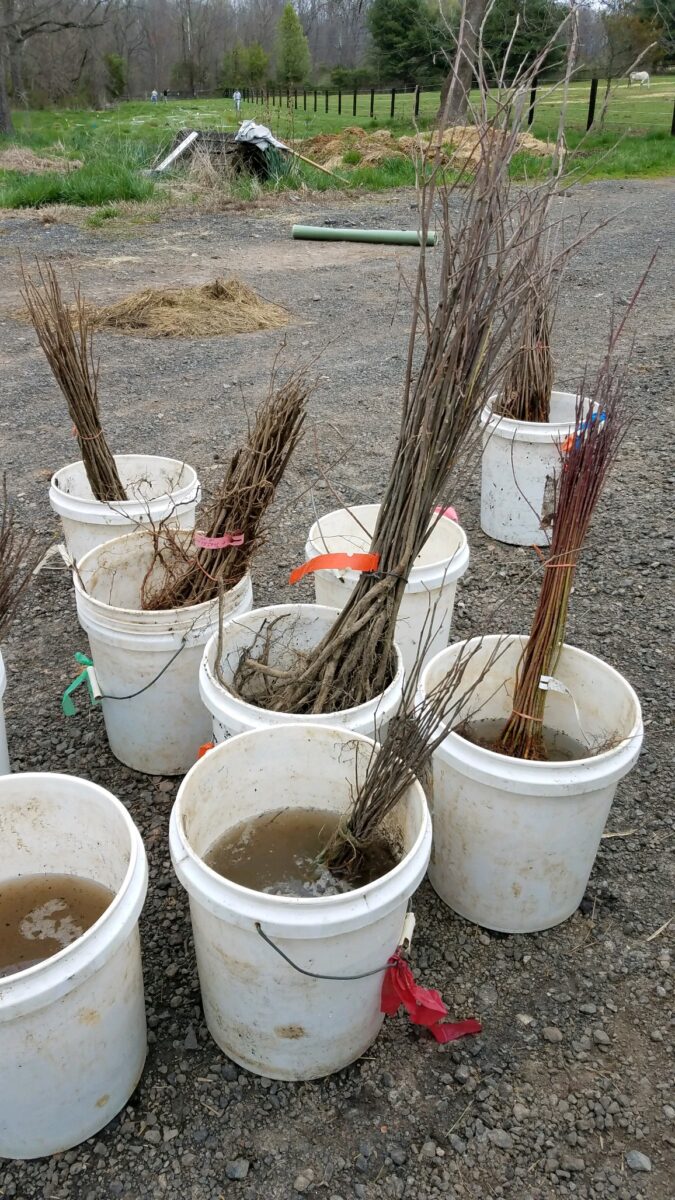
569	1090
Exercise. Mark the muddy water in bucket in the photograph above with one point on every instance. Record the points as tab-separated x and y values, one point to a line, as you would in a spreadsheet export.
42	914
279	853
558	746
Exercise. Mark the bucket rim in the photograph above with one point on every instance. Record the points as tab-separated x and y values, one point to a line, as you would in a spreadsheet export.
124	507
208	680
444	570
35	986
527	431
588	773
142	615
349	908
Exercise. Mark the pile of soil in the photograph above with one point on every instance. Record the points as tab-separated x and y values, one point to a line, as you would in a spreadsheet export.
215	309
329	149
460	144
20	158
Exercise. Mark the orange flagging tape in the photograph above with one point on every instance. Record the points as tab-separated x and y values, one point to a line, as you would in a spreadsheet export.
336	562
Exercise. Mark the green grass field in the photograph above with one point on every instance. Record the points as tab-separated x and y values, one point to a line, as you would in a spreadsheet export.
115	145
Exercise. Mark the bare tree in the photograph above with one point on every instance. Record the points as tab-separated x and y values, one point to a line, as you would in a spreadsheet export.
457	83
6	125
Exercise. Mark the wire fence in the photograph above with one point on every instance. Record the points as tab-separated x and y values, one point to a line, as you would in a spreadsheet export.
649	108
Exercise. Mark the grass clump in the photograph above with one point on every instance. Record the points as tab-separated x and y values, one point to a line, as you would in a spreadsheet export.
98	219
90	186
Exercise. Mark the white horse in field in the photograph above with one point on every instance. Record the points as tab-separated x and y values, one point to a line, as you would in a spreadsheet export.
640	77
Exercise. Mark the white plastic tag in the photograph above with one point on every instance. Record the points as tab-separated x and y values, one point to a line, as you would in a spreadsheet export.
94	684
408	930
548	683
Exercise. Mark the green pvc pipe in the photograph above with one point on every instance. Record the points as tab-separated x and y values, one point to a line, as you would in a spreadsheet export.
391	237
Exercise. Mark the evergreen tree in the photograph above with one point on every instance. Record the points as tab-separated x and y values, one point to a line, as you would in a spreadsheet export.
407	35
235	67
117	75
258	64
293	57
538	21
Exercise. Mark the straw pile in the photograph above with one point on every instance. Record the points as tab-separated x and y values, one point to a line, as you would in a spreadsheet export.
213	310
329	149
459	145
19	158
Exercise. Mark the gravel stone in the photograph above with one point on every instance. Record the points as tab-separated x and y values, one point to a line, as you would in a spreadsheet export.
601	1037
237	1169
551	1034
637	1161
304	1180
500	1138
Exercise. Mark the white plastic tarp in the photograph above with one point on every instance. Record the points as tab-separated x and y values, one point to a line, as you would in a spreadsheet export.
259	134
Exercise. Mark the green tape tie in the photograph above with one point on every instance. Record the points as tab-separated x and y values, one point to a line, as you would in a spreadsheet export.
67	704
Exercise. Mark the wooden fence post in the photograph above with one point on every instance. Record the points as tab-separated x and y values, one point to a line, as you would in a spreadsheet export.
591	103
339	104
304	99
672	126
372	103
326	94
533	101
393	104
354	104
315	100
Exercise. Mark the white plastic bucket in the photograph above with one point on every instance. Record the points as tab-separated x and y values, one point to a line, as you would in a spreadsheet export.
521	461
162	489
263	1013
5	768
515	841
306	625
160	730
429	596
72	1029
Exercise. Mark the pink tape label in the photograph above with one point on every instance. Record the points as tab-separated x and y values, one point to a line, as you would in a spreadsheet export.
217	543
448	512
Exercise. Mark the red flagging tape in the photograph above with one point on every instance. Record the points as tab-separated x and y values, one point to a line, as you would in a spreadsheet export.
336	562
424	1006
217	543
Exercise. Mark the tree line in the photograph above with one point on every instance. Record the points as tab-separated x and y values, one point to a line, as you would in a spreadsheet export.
94	52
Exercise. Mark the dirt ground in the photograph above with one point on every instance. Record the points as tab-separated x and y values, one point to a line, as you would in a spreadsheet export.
569	1090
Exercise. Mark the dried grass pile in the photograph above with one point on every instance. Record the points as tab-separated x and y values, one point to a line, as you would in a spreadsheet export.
218	309
374	147
458	145
20	158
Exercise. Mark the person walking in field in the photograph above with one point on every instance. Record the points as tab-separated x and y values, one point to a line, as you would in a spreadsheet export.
237	100
154	96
